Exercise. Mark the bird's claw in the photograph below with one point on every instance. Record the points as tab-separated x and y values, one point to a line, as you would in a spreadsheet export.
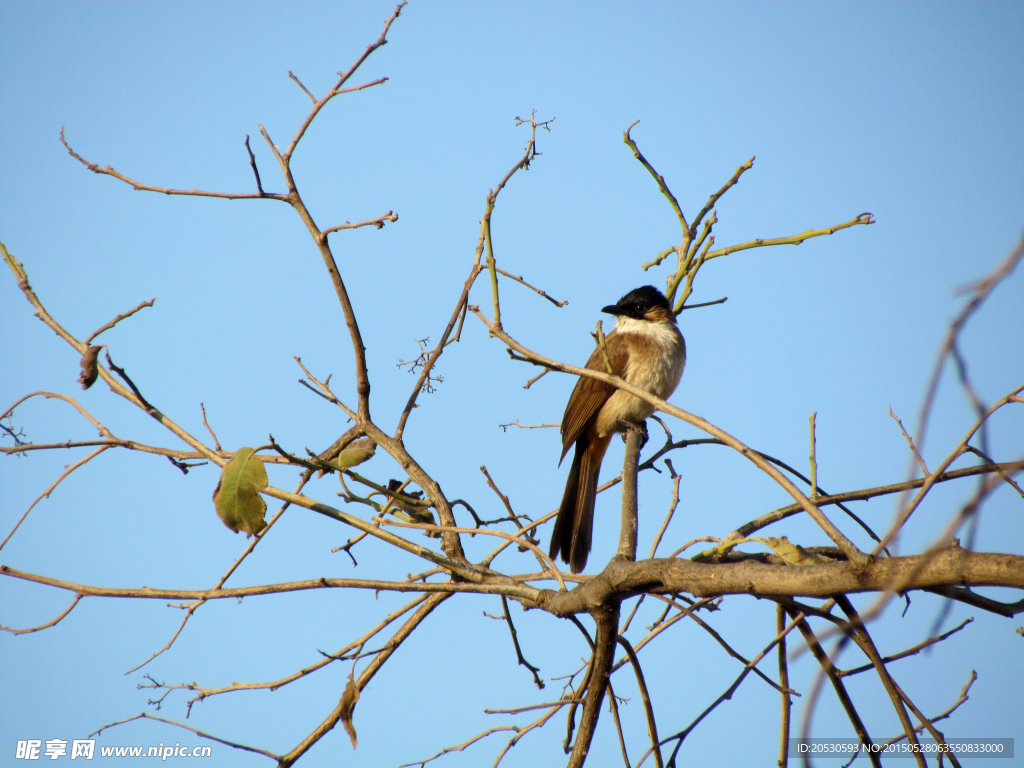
630	426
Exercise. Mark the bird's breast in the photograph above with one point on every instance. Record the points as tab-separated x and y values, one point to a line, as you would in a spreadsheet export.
657	356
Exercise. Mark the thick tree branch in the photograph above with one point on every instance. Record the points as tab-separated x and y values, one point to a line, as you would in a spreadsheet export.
622	579
607	620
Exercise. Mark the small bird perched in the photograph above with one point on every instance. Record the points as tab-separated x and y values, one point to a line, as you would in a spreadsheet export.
647	350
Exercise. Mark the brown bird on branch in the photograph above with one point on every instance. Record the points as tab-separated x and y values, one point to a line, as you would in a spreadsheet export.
647	350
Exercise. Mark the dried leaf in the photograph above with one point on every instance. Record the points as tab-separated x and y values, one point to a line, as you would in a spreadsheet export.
90	367
237	496
348	704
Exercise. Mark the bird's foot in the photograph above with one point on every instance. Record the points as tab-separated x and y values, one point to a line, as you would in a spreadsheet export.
631	426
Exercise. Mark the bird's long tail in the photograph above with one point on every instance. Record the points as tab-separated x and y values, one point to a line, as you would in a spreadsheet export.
574	526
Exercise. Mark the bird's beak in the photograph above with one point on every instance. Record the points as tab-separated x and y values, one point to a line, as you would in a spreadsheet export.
613	309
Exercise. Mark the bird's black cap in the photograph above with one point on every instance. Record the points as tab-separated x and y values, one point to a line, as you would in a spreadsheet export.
637	302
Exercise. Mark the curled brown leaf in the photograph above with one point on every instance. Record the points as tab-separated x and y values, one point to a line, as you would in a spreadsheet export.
90	366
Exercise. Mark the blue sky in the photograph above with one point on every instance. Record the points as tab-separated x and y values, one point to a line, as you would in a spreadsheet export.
911	111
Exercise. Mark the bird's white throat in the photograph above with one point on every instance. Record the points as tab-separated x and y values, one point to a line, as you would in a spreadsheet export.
663	333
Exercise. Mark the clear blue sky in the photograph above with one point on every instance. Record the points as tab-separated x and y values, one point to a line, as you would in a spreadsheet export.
911	111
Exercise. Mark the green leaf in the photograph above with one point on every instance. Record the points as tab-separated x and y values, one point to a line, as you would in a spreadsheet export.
355	453
792	553
237	496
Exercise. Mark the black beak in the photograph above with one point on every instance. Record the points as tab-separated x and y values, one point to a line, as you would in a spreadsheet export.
614	309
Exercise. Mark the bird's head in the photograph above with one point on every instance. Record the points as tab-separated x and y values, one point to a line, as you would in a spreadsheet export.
644	303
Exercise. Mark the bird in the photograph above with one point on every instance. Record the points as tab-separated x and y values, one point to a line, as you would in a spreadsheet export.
648	351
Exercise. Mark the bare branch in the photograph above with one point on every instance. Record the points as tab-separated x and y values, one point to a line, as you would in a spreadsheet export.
535	379
516	423
1009	480
829	670
869	493
377	222
462	746
929	481
355	647
676	479
628	140
196	731
118	319
139	186
319	104
910	442
725	188
981	291
304	88
727	695
787	701
519	651
48	624
910	651
859	633
216	442
223	579
46	494
45	317
532	288
607	621
652	726
864	218
343	711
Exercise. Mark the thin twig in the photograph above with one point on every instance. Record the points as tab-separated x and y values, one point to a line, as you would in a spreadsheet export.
910	651
828	669
137	185
680	737
196	731
216	442
252	162
462	746
652	726
628	139
519	651
304	88
813	457
536	378
981	291
869	493
377	222
725	188
985	457
516	423
45	494
48	624
118	319
859	633
520	279
705	304
721	641
864	218
787	701
910	442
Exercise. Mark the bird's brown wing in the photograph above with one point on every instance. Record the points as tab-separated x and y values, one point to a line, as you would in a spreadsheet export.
590	394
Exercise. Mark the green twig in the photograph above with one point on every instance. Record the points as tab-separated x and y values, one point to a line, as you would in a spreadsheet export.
599	337
864	218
